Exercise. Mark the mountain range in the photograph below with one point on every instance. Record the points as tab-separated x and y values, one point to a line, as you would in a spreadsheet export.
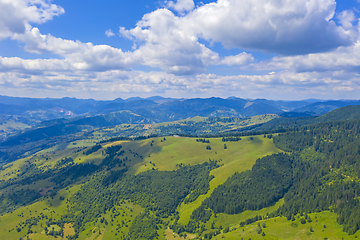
32	111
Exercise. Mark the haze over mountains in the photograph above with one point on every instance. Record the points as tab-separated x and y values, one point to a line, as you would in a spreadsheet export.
159	109
20	113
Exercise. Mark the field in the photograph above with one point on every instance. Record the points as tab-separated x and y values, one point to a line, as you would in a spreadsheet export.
322	226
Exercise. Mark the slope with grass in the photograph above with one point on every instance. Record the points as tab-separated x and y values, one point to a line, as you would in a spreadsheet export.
150	188
103	127
161	153
323	225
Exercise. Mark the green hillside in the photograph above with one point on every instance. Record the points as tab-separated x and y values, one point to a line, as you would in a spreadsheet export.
299	184
112	125
163	154
341	114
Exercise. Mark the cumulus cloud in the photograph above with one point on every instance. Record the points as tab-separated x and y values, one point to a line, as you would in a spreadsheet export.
286	27
165	42
341	59
240	59
327	64
115	83
109	33
181	6
347	18
172	43
16	14
77	55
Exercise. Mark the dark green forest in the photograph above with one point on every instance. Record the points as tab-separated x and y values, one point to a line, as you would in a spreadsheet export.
318	172
158	191
267	182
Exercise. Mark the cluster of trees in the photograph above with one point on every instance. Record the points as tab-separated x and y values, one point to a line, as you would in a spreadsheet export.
52	232
64	162
203	140
267	182
252	220
93	149
112	158
18	198
231	139
144	226
269	136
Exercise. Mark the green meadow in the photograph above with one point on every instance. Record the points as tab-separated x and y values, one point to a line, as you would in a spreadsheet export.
323	225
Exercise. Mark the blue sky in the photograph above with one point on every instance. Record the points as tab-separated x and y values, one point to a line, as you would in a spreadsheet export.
275	49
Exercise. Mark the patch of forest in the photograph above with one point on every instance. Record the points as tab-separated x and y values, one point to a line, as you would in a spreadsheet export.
327	178
158	191
319	172
262	186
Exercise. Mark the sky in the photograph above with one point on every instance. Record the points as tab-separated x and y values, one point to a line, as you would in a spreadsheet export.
273	49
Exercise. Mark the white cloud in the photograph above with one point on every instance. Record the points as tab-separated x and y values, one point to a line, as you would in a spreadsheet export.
15	14
285	26
343	88
109	33
240	59
169	42
288	27
117	83
341	59
164	42
181	6
77	55
347	18
172	43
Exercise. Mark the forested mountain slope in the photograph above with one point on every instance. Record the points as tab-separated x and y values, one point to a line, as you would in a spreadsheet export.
302	182
287	121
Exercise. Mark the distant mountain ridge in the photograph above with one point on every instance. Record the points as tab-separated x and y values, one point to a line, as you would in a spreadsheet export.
29	112
183	108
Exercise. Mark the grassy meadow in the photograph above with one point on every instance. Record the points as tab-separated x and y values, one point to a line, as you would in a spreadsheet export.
323	225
